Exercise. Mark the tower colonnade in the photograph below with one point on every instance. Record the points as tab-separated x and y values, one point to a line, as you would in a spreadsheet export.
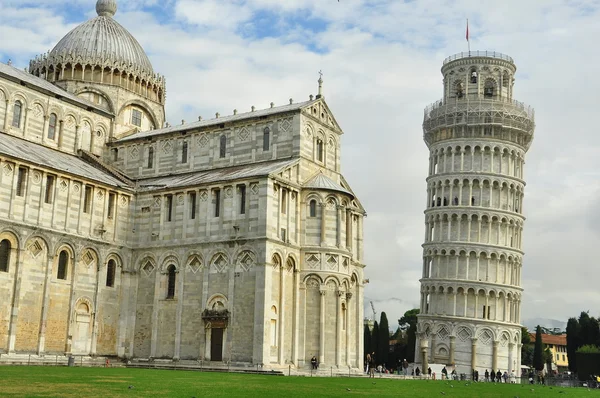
470	304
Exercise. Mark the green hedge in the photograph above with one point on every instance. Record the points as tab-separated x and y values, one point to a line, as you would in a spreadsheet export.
588	365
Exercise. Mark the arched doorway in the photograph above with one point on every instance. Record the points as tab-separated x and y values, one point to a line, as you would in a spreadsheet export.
83	318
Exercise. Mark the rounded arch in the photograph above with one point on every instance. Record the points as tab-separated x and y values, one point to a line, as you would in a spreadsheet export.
141	104
109	102
314	277
217	302
68	246
147	258
168	260
291	262
19	96
12	236
277	258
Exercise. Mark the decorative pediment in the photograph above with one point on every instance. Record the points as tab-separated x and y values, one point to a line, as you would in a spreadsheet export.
318	110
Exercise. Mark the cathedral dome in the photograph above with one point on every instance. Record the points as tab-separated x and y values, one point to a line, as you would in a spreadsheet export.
104	42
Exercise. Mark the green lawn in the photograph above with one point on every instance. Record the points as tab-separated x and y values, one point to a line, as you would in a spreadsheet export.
99	382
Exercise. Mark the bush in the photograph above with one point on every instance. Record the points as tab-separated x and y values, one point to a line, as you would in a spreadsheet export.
588	363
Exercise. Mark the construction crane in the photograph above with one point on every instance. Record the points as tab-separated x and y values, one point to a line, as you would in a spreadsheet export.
374	312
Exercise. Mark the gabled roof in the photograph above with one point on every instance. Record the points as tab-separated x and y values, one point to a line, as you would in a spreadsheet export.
553	339
21	149
321	181
262	169
38	84
219	120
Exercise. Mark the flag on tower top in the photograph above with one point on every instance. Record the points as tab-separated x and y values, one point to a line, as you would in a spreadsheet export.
467	29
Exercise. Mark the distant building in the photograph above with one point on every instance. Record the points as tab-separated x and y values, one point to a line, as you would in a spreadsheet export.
558	346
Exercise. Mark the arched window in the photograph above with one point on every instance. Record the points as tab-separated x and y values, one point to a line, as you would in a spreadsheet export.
222	146
171	282
4	255
111	269
17	110
313	208
488	90
184	152
266	139
505	79
460	89
150	157
473	75
320	150
52	127
63	262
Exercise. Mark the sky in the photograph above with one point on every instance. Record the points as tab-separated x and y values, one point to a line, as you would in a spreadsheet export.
381	62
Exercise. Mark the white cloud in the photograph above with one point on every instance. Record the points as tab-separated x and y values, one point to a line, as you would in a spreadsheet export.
381	60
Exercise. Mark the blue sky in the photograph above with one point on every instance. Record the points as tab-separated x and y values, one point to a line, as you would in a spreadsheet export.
381	61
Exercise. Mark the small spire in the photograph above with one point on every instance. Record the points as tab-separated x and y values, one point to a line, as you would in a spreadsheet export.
320	85
9	62
253	108
217	115
106	8
235	111
199	118
291	101
182	121
310	97
272	104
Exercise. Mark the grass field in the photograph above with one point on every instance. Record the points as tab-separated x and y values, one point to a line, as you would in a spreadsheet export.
99	382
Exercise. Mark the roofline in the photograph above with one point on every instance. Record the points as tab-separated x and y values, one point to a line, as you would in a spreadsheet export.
263	175
80	104
70	173
209	124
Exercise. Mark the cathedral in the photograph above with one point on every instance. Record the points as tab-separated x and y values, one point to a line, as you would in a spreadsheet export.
231	240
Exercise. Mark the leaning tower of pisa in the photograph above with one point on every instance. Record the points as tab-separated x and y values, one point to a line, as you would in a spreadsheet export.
477	136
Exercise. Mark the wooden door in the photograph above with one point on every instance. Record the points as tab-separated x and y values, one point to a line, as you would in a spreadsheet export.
216	345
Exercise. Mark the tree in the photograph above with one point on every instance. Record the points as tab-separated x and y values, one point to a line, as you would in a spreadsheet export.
526	348
573	343
384	340
409	322
375	341
538	350
589	333
366	341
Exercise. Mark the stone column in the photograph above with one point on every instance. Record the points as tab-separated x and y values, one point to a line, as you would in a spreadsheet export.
155	304
348	323
14	310
359	243
323	216
452	348
281	332
518	367
425	359
6	107
432	351
473	353
179	314
296	320
511	348
46	302
338	331
322	291
495	356
454	304
339	226
349	229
